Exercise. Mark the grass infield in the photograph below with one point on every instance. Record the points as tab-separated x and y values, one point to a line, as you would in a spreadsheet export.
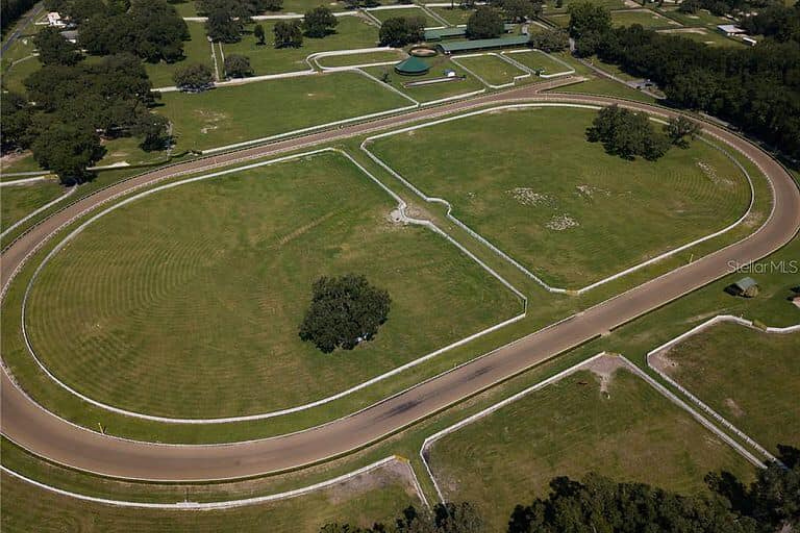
195	293
749	377
529	182
621	428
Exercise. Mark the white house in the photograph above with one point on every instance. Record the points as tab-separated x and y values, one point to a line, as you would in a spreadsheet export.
54	19
731	29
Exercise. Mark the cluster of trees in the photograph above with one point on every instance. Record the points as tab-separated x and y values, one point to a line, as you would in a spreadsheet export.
726	7
485	23
553	40
77	104
194	77
779	22
319	22
344	311
227	18
12	10
629	134
288	34
771	504
756	89
150	29
400	31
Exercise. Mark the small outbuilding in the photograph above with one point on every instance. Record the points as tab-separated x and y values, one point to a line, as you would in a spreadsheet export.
731	29
413	66
746	287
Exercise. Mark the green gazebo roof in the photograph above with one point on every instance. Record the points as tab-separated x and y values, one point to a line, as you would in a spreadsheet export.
412	65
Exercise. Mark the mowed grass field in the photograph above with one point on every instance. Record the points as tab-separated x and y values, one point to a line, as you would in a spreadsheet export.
195	294
749	377
643	17
529	182
493	69
627	431
456	16
705	36
538	61
352	33
385	14
16	201
380	495
361	59
428	93
228	115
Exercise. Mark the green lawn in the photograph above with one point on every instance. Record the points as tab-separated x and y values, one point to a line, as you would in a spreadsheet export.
18	162
203	288
559	19
196	50
701	18
385	14
538	60
606	87
14	74
233	114
16	201
351	33
455	16
749	377
493	69
550	5
380	495
560	205
436	91
644	17
628	432
701	35
361	59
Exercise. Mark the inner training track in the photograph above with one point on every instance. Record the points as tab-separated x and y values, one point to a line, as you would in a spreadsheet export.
49	436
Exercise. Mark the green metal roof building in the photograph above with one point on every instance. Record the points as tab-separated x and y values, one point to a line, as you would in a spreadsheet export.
450	47
437	34
413	66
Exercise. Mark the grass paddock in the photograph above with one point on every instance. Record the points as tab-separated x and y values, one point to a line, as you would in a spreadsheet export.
623	429
529	182
195	294
749	377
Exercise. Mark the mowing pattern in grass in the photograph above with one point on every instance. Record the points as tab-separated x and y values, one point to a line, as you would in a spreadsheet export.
196	50
19	200
528	181
233	114
195	294
749	377
360	59
376	496
701	18
493	69
627	431
351	33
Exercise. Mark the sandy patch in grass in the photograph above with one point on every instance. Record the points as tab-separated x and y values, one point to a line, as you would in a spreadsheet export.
604	367
662	362
734	407
387	476
527	196
562	222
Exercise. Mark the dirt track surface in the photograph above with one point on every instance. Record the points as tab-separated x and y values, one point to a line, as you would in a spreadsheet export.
44	434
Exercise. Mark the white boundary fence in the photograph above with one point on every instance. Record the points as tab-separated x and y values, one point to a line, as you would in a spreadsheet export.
526	73
699	403
568	69
261	416
45	207
218	505
557	290
431	440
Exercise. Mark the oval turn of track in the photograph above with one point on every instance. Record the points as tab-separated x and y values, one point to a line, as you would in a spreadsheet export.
44	434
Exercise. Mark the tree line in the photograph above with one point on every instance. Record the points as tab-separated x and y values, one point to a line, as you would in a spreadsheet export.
71	104
597	504
756	89
12	10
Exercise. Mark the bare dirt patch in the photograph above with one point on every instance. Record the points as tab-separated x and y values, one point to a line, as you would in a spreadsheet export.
527	196
562	222
386	476
734	407
604	367
662	363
